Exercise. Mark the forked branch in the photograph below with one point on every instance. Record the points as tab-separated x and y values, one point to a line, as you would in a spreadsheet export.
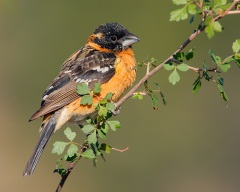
189	39
149	73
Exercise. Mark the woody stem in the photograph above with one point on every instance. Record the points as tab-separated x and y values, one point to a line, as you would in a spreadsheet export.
159	67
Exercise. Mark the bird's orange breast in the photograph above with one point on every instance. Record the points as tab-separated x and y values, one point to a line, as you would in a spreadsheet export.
124	77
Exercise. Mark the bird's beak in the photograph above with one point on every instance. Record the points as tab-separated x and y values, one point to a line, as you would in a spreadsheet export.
128	40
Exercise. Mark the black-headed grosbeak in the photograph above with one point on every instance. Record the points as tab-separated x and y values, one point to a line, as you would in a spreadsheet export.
108	59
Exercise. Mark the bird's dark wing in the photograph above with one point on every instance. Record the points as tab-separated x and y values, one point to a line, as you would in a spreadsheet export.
86	65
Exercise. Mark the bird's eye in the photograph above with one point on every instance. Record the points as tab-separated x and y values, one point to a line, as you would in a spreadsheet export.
114	38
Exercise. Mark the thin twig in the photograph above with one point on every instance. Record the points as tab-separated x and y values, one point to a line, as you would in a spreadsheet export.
69	170
148	67
120	150
147	76
194	69
234	12
159	67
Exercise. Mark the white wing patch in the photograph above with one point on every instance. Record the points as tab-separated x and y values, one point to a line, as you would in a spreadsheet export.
102	69
68	71
79	80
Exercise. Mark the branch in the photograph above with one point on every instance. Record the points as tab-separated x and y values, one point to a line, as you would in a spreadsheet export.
69	170
234	12
148	75
159	67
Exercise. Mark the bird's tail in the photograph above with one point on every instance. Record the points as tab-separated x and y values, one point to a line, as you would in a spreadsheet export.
47	131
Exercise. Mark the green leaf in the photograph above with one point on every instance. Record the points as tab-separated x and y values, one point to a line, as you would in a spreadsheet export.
58	147
174	77
163	98
58	161
102	134
228	60
216	59
60	171
97	88
72	150
104	128
179	56
114	125
110	106
95	149
210	31
191	19
86	100
95	162
88	154
154	101
197	85
189	54
103	102
179	14
219	3
82	89
168	67
70	159
69	134
105	147
217	26
153	60
223	93
137	95
88	129
108	96
102	111
192	9
236	46
182	67
237	60
224	67
179	2
92	138
208	20
220	80
89	120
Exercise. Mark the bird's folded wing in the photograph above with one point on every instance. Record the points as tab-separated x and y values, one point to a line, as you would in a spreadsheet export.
82	67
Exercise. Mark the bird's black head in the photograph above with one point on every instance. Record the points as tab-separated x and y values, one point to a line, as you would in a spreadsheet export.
114	37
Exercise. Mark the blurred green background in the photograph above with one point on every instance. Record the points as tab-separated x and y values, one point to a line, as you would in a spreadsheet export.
192	144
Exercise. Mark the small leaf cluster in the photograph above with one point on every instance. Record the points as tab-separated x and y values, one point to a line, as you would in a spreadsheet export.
93	129
214	8
176	64
236	51
148	91
189	7
207	8
153	95
87	95
219	63
72	150
152	62
98	128
204	74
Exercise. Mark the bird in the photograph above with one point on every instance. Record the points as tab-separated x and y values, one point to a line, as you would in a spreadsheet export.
107	58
